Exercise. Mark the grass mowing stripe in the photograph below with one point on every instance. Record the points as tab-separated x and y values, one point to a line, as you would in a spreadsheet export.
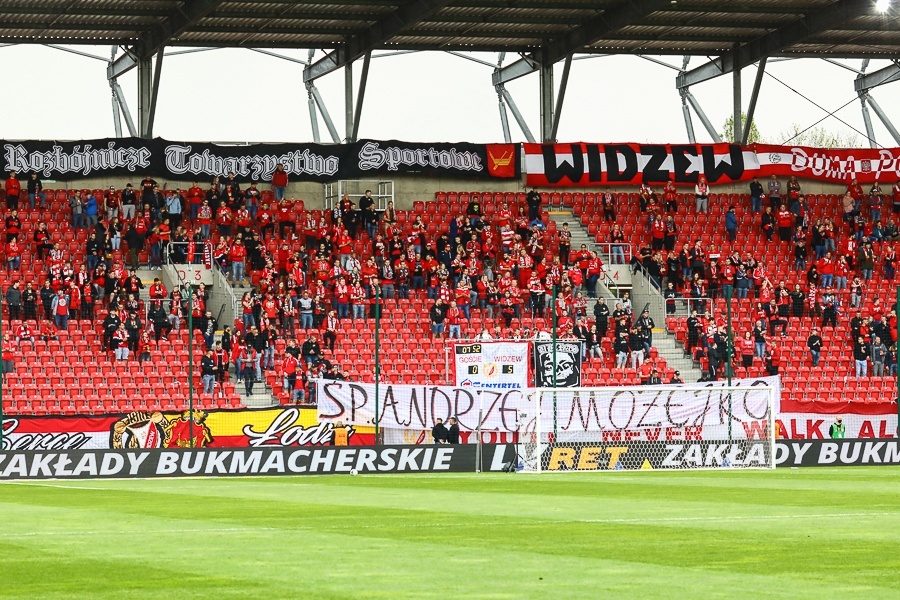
804	533
542	523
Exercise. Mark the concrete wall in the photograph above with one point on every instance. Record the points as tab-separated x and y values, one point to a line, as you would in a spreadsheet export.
410	188
407	189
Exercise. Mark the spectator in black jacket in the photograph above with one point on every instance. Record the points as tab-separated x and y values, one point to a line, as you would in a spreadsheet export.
621	348
436	315
47	294
453	432
861	356
160	320
311	351
636	344
110	325
814	343
601	316
208	372
768	223
439	432
209	329
259	341
14	300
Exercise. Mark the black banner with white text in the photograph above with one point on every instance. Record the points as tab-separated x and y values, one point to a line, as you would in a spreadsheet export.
256	162
836	453
120	464
584	164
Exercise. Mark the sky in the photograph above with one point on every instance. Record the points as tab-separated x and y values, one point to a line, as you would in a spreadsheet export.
238	95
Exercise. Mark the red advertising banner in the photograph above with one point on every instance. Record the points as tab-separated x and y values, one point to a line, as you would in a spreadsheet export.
254	428
584	164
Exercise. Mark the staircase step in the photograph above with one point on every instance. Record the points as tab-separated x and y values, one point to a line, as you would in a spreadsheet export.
665	343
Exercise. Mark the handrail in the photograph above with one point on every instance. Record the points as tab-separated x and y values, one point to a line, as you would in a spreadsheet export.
168	251
607	253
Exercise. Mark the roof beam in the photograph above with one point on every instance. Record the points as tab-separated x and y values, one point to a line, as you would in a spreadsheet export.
380	32
103	11
174	25
46	25
867	81
154	40
742	8
805	27
613	19
121	65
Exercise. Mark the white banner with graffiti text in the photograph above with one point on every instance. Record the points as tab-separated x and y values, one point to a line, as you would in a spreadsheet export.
649	413
491	365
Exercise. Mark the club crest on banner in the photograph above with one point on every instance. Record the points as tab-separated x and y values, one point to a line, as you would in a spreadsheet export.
140	430
559	369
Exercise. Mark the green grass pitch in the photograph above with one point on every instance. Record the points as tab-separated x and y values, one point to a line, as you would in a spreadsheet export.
824	533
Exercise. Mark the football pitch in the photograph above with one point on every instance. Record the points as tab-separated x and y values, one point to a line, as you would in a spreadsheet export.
824	532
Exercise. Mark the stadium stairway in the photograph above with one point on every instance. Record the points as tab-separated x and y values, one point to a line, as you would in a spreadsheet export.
580	235
667	347
262	396
673	352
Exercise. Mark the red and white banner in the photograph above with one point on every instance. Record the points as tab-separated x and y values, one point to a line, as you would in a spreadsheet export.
584	164
492	365
811	420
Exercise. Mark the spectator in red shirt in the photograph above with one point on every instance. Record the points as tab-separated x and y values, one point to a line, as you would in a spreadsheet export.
266	220
13	255
13	189
452	318
237	255
279	182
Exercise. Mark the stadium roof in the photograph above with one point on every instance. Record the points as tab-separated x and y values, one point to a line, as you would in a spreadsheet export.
836	28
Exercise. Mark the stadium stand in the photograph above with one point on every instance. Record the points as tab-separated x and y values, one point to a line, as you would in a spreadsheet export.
414	260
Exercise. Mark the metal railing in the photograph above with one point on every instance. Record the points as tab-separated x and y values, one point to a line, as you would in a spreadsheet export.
604	251
186	245
382	191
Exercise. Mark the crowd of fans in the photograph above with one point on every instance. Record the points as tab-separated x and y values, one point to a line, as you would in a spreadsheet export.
835	262
305	277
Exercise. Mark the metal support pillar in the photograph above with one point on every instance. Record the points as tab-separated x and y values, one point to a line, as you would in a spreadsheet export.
703	118
320	103
867	119
516	114
504	119
688	123
360	96
546	101
560	98
348	101
145	93
754	96
120	97
154	94
736	97
313	119
882	116
117	117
